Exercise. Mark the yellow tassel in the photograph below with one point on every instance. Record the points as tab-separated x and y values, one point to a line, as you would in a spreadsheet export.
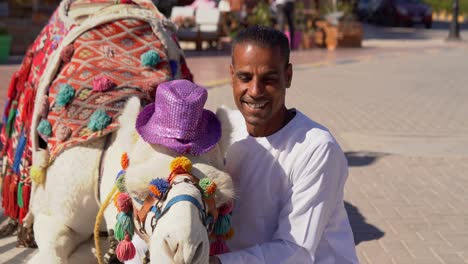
181	162
38	174
99	217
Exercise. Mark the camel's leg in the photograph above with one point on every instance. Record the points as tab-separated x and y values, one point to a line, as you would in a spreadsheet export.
65	207
55	240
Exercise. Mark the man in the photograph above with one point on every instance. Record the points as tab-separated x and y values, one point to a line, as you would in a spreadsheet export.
285	13
289	172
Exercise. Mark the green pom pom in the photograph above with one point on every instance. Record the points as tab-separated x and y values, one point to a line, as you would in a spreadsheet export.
223	224
208	186
65	94
124	226
99	120
120	183
45	128
150	58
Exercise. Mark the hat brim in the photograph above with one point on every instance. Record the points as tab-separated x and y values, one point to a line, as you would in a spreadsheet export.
209	128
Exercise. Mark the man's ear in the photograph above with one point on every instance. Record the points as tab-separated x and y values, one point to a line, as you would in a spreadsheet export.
289	75
231	70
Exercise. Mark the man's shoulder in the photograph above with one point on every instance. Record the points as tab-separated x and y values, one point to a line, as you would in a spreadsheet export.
314	132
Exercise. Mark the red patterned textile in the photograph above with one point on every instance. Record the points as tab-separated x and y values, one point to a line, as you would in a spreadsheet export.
112	50
17	119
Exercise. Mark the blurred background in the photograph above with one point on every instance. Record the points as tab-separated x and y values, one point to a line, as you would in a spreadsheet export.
210	24
387	77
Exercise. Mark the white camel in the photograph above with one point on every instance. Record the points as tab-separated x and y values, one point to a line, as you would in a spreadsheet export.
65	207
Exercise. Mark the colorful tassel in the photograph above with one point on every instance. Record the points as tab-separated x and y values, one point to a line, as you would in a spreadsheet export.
218	246
124	203
99	120
226	208
181	163
19	152
102	84
158	187
125	249
63	132
65	95
229	234
11	118
37	174
123	226
222	225
116	198
208	186
120	183
5	187
28	105
124	161
26	194
13	208
67	53
150	58
45	128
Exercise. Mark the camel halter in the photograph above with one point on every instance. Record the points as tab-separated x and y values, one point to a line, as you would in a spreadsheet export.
216	221
152	204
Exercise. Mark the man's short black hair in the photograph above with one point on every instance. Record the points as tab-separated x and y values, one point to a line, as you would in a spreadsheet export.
262	36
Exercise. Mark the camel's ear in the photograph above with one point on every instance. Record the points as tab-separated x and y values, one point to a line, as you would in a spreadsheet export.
232	123
127	135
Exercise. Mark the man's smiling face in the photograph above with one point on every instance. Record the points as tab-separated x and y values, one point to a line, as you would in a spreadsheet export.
260	76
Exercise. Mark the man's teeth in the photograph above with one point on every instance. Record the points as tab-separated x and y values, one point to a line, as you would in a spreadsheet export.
256	105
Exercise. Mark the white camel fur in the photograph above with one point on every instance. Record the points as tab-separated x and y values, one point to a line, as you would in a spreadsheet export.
65	207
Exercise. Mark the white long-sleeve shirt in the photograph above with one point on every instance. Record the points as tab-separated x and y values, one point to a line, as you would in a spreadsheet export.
289	206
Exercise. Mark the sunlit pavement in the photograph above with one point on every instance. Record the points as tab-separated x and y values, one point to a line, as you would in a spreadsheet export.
399	110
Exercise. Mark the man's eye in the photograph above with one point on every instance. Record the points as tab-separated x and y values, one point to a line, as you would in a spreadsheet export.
244	78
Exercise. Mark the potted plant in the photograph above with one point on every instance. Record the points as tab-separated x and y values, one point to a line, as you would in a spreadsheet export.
308	35
5	44
339	28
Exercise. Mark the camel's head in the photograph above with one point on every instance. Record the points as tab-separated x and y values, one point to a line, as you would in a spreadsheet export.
175	219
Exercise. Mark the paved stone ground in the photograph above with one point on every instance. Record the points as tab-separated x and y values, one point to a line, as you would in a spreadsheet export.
401	119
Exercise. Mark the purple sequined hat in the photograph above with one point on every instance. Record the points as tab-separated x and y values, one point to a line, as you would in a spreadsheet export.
177	119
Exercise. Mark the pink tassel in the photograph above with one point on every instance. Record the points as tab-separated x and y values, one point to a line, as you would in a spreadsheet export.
226	208
218	246
67	53
125	249
63	132
124	203
102	84
44	106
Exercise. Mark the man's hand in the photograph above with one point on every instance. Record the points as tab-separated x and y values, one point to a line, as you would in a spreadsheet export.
215	260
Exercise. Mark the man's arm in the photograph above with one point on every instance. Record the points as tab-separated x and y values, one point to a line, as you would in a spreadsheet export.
317	190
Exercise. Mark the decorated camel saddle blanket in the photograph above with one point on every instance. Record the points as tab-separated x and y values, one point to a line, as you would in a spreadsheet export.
104	61
75	79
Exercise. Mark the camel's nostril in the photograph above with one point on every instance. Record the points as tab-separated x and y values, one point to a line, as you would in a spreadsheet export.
167	247
198	252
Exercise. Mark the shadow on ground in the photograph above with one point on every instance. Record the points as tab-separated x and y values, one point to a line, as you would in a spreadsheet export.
362	230
362	158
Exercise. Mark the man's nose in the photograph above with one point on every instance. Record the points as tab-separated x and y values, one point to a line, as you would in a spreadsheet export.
256	89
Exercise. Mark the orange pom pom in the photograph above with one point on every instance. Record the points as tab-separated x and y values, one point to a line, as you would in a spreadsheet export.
124	161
